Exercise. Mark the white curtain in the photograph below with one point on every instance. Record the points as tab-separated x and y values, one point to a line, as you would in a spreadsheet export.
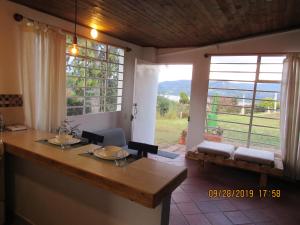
290	115
43	76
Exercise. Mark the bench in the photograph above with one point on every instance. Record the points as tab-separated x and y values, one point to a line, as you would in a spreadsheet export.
260	161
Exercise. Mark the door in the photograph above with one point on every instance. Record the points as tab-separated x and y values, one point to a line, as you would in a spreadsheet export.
144	102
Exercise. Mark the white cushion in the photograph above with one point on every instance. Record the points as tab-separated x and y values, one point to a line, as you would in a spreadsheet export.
254	155
216	148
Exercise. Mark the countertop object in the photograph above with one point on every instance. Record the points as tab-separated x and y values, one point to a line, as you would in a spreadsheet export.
145	181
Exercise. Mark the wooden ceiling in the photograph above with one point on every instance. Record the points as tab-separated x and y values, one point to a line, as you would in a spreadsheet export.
177	23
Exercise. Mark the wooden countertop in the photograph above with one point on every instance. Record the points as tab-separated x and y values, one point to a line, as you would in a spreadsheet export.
145	181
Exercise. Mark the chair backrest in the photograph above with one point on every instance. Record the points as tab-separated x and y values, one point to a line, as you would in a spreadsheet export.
92	137
142	148
113	136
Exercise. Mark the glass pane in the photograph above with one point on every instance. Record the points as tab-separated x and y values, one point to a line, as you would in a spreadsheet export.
230	93
119	92
110	108
267	105
115	59
111	92
270	76
272	59
92	101
74	111
81	41
75	91
119	100
265	130
232	76
75	101
112	83
92	91
75	71
119	107
269	87
95	73
92	109
120	84
277	68
96	54
93	82
233	59
262	95
75	82
115	50
115	67
69	39
95	64
111	100
75	61
231	85
96	45
267	122
233	67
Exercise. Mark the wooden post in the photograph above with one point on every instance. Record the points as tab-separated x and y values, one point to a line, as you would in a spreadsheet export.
263	180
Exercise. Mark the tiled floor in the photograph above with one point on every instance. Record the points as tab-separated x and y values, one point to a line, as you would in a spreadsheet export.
192	206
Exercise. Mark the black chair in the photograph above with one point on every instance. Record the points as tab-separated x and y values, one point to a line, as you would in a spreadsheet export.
92	137
142	148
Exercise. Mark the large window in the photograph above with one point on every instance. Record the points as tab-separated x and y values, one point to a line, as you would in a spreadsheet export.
94	77
243	101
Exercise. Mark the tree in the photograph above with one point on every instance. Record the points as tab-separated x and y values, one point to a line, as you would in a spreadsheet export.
267	103
163	105
183	98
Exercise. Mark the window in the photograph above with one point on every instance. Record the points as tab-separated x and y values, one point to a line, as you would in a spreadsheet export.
94	77
243	101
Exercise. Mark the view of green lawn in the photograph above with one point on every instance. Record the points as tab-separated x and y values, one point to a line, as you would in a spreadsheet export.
168	130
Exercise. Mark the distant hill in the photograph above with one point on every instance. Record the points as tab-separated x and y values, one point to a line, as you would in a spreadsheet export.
175	87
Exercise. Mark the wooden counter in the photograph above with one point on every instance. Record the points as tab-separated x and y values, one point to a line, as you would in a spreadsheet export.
144	181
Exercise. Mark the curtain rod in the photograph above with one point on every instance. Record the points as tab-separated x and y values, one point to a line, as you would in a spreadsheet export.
18	17
206	55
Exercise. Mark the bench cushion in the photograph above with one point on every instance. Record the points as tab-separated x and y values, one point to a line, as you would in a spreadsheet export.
255	156
209	147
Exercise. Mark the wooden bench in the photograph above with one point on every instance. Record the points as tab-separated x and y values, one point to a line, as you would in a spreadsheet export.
264	170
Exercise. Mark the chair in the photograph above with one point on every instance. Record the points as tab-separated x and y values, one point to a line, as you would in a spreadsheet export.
142	148
92	137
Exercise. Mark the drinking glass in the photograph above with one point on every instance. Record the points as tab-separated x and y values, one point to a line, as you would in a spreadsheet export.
63	136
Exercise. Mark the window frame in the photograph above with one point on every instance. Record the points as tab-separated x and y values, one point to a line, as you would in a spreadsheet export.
249	141
103	87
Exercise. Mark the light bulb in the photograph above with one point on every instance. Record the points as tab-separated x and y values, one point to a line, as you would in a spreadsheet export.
74	49
94	33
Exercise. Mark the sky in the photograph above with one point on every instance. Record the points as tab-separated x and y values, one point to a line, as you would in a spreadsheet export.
175	72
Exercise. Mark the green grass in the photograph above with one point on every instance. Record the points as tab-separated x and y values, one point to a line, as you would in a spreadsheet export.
168	130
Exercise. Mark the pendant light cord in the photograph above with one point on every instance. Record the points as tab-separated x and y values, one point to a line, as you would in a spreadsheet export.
75	17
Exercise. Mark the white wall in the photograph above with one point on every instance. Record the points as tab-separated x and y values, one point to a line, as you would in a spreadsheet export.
276	43
9	54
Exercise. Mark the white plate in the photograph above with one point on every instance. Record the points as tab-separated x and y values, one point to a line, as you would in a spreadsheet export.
110	153
56	141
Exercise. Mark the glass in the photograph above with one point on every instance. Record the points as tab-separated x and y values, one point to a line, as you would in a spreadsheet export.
63	135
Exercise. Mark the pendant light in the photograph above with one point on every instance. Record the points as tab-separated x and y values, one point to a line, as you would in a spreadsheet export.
74	49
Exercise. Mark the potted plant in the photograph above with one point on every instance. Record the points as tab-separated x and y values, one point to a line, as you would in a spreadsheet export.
182	138
215	134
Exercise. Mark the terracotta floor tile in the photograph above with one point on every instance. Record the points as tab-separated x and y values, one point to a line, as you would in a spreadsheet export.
197	219
180	197
257	215
225	205
188	208
207	207
218	219
237	217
